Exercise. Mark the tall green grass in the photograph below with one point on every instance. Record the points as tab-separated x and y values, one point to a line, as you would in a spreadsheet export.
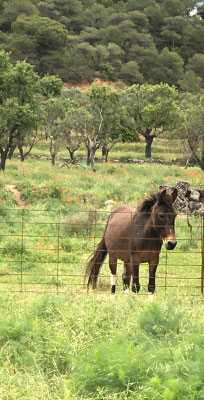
88	347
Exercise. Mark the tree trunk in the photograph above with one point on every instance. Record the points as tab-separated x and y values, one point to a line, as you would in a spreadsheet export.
88	160
4	153
3	160
71	153
106	155
11	151
105	152
20	148
104	148
92	154
148	148
200	160
53	158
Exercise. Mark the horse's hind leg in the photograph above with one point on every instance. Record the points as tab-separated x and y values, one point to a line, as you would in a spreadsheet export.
126	277
152	273
135	278
113	268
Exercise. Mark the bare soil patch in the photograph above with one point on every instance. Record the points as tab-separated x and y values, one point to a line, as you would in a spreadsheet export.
85	85
16	195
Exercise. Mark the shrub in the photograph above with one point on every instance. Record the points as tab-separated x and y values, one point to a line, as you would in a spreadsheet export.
81	223
112	366
159	321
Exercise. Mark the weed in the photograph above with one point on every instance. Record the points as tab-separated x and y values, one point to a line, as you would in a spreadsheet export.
159	321
55	191
82	223
148	363
111	170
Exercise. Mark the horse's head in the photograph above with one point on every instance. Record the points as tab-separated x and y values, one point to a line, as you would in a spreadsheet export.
163	217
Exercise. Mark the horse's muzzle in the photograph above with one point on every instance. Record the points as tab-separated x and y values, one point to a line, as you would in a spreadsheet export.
170	245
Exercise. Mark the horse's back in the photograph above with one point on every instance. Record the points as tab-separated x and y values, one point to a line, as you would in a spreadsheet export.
121	217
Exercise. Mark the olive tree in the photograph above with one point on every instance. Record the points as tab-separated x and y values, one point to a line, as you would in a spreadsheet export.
154	109
20	108
192	108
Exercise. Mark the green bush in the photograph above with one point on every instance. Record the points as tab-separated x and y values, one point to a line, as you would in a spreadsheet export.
55	191
113	366
161	358
159	321
79	223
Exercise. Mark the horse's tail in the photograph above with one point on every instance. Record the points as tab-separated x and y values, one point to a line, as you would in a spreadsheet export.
94	264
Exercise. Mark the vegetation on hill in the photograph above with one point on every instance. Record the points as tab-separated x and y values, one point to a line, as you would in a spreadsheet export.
134	41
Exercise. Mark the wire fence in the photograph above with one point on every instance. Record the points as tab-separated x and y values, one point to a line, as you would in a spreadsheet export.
45	251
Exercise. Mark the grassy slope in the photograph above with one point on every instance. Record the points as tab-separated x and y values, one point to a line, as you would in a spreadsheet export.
78	346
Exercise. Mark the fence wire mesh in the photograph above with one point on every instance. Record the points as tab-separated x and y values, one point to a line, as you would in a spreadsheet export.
45	251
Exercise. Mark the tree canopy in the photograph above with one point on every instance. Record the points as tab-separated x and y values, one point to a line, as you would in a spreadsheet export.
138	41
20	106
154	109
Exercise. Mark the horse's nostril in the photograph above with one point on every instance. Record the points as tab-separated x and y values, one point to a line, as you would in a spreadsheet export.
171	245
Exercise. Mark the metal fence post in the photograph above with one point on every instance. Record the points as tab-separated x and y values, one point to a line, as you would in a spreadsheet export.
202	254
22	247
58	251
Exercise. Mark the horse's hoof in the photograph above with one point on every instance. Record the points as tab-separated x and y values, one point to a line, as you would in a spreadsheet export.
151	289
135	289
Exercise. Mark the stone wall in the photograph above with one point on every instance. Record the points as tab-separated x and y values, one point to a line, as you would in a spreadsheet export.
189	198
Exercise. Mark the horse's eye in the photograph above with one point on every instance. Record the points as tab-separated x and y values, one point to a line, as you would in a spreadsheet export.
161	216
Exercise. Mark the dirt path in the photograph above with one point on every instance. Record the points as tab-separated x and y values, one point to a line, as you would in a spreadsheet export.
16	195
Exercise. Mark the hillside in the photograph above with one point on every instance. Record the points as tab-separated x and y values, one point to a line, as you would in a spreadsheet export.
108	39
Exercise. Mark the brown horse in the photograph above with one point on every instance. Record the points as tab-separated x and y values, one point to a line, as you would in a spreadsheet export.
135	236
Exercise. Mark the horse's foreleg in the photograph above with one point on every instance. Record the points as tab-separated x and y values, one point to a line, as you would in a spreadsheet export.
113	268
135	279
152	272
126	277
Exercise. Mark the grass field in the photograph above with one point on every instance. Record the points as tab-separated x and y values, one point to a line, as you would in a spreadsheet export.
162	149
79	346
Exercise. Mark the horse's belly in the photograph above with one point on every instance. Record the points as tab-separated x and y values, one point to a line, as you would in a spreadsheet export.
145	257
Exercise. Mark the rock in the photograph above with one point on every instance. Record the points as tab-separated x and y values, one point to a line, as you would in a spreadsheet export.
193	206
138	161
182	188
200	211
109	204
158	161
180	203
193	194
201	195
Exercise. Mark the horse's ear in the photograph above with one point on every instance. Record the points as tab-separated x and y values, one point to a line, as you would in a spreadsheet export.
162	196
174	195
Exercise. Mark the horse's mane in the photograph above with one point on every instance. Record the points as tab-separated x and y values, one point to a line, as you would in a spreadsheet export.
147	204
